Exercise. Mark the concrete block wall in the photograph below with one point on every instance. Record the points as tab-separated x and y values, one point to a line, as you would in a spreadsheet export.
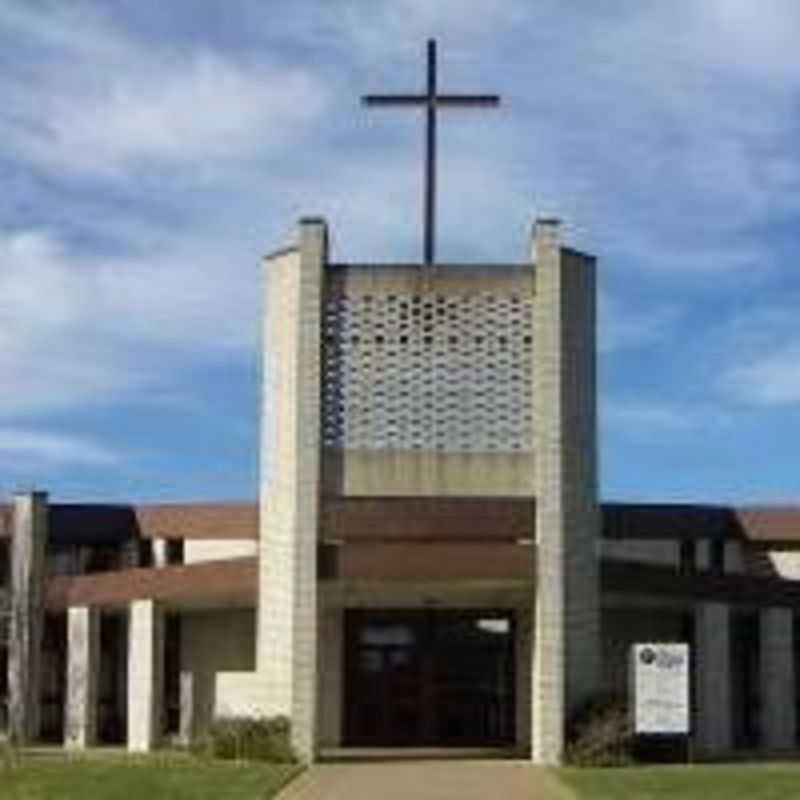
566	657
240	694
287	612
785	561
428	380
196	551
212	642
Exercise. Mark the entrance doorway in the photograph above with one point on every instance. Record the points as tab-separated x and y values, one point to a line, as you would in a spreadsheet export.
429	678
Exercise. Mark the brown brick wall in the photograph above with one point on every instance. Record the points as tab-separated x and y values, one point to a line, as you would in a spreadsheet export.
397	561
418	518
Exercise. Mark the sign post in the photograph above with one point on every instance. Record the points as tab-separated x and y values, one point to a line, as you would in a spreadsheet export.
660	690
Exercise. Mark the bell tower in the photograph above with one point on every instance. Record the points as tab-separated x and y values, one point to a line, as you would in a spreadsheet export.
453	405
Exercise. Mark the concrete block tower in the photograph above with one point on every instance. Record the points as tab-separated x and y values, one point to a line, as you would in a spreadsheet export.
287	614
398	383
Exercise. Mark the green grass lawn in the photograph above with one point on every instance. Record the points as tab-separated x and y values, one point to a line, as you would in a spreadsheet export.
707	782
160	777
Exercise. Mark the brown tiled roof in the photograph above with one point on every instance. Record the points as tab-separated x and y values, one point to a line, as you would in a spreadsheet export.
90	523
418	519
765	524
213	584
99	523
427	519
198	520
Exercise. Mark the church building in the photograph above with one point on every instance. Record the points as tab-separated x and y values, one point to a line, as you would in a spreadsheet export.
428	564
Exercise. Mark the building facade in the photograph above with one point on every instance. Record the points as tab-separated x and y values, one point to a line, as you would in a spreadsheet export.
428	563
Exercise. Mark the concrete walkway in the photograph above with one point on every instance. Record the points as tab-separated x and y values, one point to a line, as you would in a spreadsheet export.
427	780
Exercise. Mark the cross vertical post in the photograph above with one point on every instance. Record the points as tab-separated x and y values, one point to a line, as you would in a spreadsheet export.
431	101
429	219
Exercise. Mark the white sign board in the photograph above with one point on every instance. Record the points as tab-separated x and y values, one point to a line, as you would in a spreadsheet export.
660	675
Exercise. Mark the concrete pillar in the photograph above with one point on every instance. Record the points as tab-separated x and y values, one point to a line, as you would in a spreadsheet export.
287	612
714	733
83	674
331	671
29	539
567	619
187	700
145	675
523	656
777	674
159	552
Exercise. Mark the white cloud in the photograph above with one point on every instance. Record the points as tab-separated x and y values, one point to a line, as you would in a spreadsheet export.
31	447
110	104
759	350
769	379
84	330
636	416
666	141
641	418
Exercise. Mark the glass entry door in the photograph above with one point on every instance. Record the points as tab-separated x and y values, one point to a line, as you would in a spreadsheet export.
429	678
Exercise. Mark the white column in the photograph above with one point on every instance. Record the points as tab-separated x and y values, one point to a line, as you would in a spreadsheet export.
28	544
83	666
145	675
778	700
159	552
714	733
187	700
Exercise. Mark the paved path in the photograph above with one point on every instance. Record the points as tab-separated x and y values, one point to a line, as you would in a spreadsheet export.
427	780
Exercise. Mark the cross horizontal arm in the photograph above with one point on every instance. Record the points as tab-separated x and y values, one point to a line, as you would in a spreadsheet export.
394	99
467	100
423	99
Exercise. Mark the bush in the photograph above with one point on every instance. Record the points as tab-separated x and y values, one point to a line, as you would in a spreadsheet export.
9	755
600	734
249	739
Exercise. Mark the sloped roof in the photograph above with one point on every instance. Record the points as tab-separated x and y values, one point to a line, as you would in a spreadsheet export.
415	518
211	584
764	524
102	523
198	520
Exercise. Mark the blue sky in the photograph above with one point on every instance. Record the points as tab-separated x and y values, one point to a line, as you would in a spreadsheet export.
151	152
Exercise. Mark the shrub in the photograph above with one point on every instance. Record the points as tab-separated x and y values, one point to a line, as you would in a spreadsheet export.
9	755
249	739
600	734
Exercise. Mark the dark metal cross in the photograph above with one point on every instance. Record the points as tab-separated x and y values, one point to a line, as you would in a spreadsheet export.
432	101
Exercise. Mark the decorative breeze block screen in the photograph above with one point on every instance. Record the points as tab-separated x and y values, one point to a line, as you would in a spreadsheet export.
432	371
